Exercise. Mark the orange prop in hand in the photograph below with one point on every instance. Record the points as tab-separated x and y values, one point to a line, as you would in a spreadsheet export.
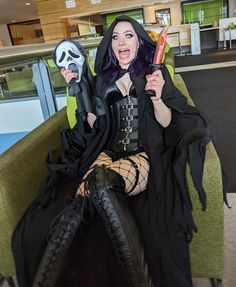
160	47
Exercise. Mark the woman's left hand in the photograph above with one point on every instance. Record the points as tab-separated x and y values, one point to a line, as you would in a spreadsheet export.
155	82
162	113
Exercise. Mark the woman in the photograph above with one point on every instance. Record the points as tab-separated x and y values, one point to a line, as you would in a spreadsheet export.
137	145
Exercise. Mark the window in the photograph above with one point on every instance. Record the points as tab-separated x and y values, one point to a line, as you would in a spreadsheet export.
163	17
136	14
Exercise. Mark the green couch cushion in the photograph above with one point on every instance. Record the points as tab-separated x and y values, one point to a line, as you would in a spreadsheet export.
71	109
23	167
207	246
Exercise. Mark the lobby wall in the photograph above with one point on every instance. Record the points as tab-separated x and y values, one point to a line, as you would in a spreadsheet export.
4	36
53	14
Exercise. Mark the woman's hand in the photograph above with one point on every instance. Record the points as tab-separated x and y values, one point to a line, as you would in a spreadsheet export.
91	118
68	74
155	82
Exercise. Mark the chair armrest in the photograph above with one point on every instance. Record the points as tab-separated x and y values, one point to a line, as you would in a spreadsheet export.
169	61
180	85
207	246
23	168
169	58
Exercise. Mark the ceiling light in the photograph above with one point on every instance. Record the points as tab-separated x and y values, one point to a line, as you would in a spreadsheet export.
70	4
95	1
27	3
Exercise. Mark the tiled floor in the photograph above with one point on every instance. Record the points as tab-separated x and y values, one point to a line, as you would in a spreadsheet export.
8	139
205	67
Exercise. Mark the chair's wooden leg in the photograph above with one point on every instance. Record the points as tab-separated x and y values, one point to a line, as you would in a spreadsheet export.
215	282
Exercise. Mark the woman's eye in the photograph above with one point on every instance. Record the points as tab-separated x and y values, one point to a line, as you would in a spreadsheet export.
114	37
129	35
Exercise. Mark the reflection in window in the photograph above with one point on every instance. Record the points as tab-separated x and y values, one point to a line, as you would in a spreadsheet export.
17	82
59	85
58	82
163	17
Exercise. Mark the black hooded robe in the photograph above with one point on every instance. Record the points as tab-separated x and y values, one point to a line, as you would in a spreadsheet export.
163	211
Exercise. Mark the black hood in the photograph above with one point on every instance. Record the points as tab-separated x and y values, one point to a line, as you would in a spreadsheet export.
104	44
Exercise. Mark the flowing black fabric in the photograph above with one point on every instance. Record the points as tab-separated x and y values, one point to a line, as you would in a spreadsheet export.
30	235
163	212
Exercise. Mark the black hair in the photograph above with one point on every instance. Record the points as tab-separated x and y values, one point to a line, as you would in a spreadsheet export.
139	66
106	63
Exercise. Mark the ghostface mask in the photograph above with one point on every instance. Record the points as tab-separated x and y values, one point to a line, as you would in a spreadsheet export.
69	54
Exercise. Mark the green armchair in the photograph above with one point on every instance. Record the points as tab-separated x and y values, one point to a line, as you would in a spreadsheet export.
22	169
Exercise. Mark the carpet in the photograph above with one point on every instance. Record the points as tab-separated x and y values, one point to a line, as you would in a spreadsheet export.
205	58
214	92
8	139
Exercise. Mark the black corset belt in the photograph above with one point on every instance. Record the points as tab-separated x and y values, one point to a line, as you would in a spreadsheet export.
125	133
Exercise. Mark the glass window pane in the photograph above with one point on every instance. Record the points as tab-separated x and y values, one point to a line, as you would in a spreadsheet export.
17	82
58	83
163	17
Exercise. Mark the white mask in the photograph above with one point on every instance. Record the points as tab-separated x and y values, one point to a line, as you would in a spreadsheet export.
69	56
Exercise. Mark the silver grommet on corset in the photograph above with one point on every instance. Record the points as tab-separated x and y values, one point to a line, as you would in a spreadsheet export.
129	118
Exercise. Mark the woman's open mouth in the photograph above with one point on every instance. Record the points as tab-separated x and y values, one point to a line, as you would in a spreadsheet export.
124	53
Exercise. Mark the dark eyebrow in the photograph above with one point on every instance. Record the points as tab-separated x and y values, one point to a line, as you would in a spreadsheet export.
127	31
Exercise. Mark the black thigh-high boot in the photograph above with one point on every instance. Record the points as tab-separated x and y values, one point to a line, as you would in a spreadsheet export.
59	243
106	189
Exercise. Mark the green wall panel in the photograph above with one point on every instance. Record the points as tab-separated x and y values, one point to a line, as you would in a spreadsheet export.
135	14
204	12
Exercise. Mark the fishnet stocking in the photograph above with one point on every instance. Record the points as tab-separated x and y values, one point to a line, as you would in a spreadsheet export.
134	170
129	172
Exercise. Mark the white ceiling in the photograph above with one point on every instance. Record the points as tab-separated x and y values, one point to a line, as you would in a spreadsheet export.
16	10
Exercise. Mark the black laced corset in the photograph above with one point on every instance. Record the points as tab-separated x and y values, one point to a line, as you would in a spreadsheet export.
124	133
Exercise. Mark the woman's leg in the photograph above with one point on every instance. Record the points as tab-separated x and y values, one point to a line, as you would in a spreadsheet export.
134	169
107	187
105	183
103	159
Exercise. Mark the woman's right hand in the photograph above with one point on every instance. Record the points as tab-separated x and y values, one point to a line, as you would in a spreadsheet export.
155	82
68	74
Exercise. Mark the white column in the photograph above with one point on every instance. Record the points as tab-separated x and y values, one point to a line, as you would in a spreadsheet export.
195	39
